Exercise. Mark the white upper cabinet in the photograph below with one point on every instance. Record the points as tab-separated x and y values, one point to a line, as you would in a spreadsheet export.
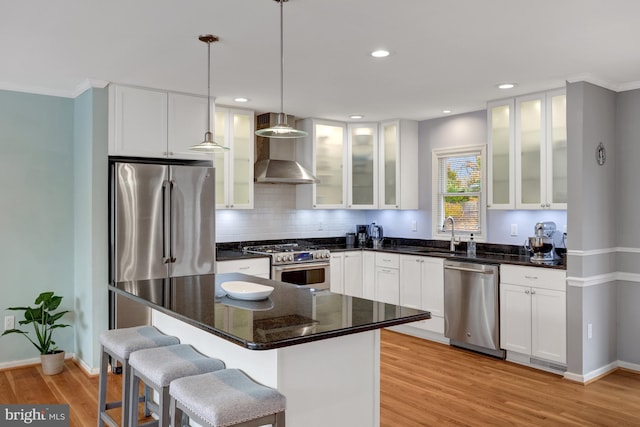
153	123
324	153
501	163
234	128
398	170
359	165
362	170
528	152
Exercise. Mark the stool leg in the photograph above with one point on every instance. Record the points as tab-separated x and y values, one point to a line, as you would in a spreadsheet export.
176	414
102	390
133	385
147	398
279	419
164	407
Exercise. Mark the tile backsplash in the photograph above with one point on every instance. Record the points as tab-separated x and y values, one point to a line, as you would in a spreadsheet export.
275	217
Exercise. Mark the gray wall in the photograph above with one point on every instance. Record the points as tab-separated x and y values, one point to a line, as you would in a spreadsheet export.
628	232
602	228
36	231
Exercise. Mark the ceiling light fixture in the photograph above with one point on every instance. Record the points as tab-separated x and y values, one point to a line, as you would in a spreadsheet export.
241	99
380	53
356	116
208	145
506	86
281	129
446	111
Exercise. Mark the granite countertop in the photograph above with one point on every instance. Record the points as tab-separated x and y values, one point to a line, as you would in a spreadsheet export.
487	253
291	315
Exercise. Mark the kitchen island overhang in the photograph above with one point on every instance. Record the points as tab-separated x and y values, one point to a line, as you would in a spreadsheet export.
320	349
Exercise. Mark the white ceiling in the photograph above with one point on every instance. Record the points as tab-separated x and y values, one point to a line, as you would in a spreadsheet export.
445	53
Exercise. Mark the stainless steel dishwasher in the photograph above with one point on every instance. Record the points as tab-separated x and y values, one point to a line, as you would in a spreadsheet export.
471	308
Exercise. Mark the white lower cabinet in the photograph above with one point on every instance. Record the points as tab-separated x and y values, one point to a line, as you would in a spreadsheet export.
346	273
369	275
533	312
422	287
259	267
387	279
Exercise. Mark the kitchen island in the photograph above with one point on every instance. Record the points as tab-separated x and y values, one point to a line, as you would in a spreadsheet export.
320	349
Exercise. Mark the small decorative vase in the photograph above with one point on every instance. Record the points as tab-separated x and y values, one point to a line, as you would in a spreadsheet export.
53	363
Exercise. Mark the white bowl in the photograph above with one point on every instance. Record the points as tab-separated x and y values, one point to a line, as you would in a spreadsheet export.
246	290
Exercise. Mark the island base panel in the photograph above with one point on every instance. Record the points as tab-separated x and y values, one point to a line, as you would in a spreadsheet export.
331	382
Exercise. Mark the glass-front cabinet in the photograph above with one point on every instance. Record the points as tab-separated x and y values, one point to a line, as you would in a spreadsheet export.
528	152
362	166
324	153
234	168
501	164
398	165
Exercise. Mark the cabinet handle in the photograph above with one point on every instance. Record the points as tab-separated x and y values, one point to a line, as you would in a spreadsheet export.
527	292
533	292
548	205
231	205
244	268
531	277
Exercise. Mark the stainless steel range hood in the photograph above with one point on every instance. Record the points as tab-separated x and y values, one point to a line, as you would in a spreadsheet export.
276	166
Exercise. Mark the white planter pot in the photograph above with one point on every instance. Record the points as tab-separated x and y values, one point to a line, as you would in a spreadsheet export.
52	364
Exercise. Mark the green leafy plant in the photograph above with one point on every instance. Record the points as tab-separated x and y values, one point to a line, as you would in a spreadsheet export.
43	320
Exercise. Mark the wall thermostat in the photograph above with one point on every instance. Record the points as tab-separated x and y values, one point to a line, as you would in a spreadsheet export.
601	154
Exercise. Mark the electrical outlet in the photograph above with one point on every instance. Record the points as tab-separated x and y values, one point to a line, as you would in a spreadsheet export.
514	229
414	225
9	322
589	331
320	226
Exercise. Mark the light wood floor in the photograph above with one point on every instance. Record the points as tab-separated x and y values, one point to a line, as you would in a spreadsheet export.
422	384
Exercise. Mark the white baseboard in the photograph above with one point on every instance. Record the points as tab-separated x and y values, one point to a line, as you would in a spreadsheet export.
28	362
603	370
86	368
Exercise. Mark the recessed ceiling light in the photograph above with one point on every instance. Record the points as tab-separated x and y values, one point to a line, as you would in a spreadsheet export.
356	116
506	86
241	99
446	111
380	53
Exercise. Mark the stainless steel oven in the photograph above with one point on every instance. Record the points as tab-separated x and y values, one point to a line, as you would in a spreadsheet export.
302	265
313	274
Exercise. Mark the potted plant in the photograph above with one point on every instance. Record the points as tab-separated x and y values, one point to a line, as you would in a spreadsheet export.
44	321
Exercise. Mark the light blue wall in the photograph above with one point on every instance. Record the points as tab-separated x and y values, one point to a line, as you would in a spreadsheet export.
37	229
91	222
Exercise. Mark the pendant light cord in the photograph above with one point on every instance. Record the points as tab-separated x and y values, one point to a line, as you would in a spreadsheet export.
282	58
209	86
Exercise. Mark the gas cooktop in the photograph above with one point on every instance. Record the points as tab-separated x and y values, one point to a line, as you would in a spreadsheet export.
290	253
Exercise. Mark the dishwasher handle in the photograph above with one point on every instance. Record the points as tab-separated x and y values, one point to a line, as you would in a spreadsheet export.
471	270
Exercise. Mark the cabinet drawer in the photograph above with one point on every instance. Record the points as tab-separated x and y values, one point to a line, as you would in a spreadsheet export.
254	267
387	260
537	277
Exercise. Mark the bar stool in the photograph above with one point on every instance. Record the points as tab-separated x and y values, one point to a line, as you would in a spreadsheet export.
157	367
226	398
119	344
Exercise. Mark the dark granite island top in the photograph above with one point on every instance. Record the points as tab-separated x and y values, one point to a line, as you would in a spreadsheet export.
291	315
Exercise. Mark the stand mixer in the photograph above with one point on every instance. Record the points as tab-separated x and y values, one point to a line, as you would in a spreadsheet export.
542	245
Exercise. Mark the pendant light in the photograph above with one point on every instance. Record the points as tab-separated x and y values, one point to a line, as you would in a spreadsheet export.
208	145
281	129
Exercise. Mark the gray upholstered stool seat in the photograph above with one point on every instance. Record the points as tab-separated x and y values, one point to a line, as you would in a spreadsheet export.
226	398
119	344
157	367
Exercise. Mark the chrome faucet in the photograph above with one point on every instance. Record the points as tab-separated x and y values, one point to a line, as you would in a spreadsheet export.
452	245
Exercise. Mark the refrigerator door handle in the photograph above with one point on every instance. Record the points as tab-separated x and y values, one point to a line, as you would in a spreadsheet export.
166	232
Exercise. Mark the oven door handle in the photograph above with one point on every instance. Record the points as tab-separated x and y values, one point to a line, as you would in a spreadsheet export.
301	266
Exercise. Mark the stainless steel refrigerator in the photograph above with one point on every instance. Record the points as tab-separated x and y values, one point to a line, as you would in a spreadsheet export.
162	227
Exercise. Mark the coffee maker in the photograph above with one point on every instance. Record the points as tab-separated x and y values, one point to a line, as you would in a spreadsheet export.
542	244
362	235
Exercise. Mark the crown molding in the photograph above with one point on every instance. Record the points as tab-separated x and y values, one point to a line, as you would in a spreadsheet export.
87	84
593	79
62	93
